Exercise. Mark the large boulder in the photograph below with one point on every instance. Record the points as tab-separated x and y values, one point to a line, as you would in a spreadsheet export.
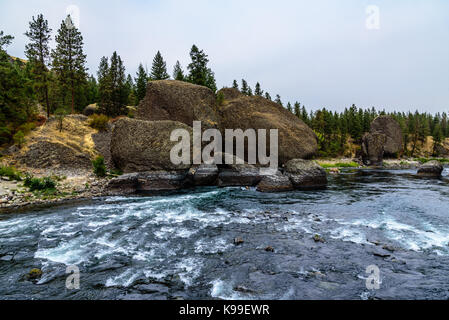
179	101
275	183
296	139
373	148
392	130
90	110
139	146
244	175
230	93
204	175
384	140
431	169
305	174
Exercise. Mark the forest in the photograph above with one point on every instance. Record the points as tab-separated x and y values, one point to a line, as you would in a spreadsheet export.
57	80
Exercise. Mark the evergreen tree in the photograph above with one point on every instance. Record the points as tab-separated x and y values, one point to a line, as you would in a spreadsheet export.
250	91
289	107
16	94
199	73
38	53
245	87
258	91
267	96
69	60
178	73
129	90
298	109
92	90
278	100
235	85
159	68
141	84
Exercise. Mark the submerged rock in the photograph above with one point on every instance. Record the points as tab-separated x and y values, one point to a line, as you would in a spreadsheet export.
431	169
306	174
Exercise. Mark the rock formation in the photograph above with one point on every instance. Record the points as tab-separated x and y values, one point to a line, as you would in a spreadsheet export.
178	101
384	140
296	139
431	169
140	146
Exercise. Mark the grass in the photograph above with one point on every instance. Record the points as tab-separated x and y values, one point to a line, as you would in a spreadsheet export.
10	172
425	160
339	165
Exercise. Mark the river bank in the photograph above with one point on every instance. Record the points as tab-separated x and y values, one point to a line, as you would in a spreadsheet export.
80	186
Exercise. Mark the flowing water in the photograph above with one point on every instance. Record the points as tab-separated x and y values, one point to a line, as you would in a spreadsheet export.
181	245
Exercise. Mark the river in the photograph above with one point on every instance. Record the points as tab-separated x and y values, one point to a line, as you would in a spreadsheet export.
181	245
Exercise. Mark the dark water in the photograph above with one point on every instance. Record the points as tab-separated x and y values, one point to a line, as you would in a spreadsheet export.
181	245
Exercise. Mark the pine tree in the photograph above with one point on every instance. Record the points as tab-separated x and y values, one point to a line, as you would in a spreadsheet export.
258	91
38	53
199	73
129	90
298	109
267	96
278	100
92	90
235	85
178	73
141	84
104	86
245	87
118	86
69	60
159	68
250	91
289	107
16	94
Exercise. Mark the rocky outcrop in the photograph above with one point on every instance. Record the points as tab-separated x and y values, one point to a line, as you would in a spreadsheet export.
431	169
178	101
141	146
392	130
305	174
53	154
230	93
155	181
90	110
204	175
244	175
296	139
384	140
275	183
373	148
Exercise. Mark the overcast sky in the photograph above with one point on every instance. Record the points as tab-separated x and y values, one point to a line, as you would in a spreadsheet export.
318	52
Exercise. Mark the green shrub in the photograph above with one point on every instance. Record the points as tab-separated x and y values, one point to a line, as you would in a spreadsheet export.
19	138
99	167
39	184
99	122
11	173
339	165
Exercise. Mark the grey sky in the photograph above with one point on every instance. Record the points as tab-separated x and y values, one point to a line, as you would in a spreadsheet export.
317	52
